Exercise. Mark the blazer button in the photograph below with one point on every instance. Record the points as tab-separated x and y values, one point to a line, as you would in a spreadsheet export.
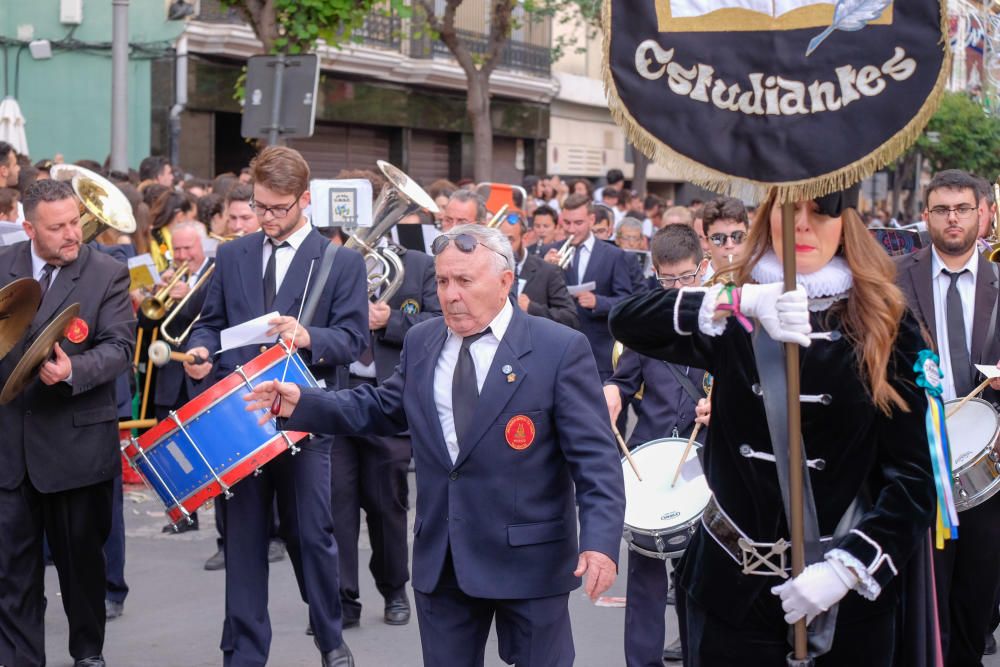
453	476
263	349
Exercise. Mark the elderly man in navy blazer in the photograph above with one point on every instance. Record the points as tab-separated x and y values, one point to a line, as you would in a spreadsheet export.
510	437
604	264
258	274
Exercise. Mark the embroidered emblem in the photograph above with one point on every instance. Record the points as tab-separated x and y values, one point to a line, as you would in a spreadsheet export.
410	307
77	330
928	372
520	432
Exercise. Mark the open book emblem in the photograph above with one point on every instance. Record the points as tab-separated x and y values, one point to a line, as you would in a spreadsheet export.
763	15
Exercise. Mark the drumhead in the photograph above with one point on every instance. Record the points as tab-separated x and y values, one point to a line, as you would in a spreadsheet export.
970	430
652	504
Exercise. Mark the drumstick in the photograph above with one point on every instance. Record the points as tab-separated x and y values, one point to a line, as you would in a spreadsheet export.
276	405
687	448
975	392
621	443
149	377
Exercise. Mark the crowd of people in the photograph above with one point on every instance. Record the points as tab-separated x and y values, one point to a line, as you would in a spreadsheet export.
493	367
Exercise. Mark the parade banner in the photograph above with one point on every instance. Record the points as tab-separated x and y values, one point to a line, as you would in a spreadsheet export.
742	96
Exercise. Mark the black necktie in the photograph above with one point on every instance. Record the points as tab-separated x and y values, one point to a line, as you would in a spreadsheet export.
574	265
465	387
46	279
961	364
270	274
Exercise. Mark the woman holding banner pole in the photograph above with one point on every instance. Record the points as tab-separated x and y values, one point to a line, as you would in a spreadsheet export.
869	489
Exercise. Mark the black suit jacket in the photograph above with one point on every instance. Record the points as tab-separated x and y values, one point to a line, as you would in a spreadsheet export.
62	436
914	278
414	302
173	386
546	288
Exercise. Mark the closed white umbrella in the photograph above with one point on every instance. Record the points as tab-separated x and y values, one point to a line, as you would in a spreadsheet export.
12	125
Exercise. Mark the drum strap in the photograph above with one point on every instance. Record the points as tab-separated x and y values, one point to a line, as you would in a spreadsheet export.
316	291
684	381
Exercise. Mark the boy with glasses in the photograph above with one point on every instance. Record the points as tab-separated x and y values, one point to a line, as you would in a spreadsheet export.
667	408
725	222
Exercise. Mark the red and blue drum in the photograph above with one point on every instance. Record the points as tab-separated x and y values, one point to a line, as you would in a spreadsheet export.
212	442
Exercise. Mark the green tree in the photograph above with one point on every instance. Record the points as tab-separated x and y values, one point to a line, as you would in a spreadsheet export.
962	136
480	61
294	26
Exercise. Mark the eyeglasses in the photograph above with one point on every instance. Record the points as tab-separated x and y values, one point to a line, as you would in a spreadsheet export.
719	239
465	242
963	212
685	279
277	212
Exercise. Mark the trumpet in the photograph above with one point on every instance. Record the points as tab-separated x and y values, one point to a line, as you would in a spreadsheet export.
157	306
164	328
224	238
566	253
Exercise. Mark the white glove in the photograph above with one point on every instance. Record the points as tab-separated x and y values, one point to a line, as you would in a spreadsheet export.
785	315
819	587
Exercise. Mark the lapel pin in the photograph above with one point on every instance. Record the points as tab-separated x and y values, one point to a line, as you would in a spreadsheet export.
511	377
507	369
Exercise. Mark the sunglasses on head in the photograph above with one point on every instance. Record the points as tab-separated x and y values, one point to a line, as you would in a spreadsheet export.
465	242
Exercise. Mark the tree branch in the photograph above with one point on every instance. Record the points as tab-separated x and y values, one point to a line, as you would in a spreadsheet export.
501	14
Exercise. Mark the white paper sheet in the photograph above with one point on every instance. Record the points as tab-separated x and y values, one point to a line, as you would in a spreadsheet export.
989	371
521	282
582	287
253	332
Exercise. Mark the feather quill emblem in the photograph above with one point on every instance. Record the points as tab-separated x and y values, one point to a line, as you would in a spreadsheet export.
849	16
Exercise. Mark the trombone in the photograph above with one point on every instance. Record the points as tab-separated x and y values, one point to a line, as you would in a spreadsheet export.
157	306
179	339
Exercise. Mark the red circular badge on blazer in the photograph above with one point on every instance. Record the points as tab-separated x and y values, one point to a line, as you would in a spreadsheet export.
77	330
520	432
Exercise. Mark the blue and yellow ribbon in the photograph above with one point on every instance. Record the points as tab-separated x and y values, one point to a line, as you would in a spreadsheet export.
929	377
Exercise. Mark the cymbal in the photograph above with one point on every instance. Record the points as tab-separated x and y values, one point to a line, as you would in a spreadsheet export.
19	302
40	350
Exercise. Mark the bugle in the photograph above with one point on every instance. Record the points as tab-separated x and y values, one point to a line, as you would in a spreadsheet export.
157	306
165	327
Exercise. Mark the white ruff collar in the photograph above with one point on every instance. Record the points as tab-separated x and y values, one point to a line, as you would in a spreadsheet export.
831	283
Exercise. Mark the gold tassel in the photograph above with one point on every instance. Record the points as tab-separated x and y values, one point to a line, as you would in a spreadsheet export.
755	191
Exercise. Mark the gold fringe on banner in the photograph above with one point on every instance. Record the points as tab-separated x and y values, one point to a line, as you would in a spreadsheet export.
755	191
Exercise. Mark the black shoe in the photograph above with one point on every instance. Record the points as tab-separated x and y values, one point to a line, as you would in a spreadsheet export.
216	561
275	551
93	661
349	621
672	652
309	629
180	527
671	595
112	609
397	609
338	657
991	645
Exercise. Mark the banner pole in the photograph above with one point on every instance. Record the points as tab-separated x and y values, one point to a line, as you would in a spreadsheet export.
795	482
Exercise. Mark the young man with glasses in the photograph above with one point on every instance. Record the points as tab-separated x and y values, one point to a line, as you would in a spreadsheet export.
670	394
504	413
725	222
953	290
255	275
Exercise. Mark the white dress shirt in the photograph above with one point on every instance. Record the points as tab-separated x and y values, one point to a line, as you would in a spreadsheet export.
967	291
285	255
583	256
193	277
38	265
482	351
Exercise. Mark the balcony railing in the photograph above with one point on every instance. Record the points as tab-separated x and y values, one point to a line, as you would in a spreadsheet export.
386	32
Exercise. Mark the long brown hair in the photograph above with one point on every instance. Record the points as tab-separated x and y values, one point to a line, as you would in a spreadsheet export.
870	319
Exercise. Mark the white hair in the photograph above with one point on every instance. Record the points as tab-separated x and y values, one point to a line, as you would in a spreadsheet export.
193	225
493	239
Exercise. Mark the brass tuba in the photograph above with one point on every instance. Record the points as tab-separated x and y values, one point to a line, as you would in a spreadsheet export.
992	242
102	204
400	197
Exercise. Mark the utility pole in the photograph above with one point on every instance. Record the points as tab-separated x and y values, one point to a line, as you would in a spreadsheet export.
119	85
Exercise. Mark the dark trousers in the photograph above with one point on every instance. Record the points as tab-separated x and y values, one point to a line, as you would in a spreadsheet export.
77	523
967	579
645	606
454	627
762	639
301	484
114	548
369	473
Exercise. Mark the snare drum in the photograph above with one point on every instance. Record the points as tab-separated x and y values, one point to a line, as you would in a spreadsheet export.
974	438
660	519
212	442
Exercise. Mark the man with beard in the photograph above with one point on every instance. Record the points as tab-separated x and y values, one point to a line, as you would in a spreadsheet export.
953	291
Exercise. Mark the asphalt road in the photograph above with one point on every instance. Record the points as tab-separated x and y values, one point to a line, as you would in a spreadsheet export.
173	614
